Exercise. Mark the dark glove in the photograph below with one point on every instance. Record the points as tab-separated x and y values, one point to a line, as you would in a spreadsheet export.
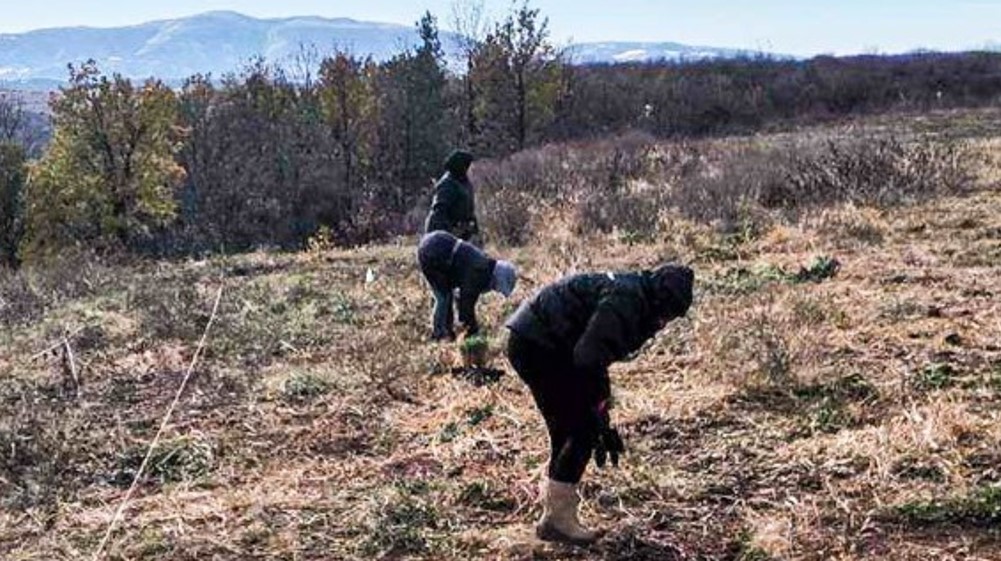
609	443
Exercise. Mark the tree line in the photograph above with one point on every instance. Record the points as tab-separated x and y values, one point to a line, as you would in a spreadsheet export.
348	146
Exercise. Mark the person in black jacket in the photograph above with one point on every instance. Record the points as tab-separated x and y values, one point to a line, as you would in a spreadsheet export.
449	265
453	208
561	344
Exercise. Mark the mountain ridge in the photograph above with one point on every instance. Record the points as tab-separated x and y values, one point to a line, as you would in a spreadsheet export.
223	41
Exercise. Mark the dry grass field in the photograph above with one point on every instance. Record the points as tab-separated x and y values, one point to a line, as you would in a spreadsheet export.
834	394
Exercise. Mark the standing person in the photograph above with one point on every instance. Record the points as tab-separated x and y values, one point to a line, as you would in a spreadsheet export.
453	208
562	343
449	265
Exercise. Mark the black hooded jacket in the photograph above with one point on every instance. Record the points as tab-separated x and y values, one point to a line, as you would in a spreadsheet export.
597	319
453	208
449	263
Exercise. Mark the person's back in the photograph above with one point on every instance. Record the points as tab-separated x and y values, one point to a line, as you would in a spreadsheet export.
560	315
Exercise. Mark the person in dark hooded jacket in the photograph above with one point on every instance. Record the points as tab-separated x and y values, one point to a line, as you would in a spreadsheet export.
453	208
561	344
452	265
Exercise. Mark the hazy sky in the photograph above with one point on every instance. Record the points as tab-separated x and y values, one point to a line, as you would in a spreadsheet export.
786	26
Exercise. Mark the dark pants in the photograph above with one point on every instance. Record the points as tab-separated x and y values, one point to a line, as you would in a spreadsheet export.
443	315
566	398
433	264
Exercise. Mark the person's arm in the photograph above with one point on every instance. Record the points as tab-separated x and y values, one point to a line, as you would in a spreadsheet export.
467	310
612	332
446	198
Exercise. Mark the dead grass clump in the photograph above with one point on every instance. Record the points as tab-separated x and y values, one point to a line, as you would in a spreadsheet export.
27	294
811	312
41	447
183	459
849	225
20	302
402	521
304	387
772	358
171	308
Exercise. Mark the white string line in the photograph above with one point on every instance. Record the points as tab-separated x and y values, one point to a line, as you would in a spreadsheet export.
159	433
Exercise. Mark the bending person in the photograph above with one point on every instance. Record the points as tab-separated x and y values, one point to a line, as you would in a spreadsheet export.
562	343
452	265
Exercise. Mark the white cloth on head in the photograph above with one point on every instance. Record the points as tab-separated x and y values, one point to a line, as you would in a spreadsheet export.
505	278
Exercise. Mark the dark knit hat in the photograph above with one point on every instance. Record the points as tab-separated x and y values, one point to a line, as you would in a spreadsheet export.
672	286
458	162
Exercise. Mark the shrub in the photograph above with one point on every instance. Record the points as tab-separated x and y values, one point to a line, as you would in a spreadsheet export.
722	184
871	171
20	302
304	387
506	217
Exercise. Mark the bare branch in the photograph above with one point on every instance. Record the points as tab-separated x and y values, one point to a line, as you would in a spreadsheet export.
12	117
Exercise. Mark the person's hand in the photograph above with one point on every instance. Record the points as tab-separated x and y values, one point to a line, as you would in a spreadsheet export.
473	235
609	444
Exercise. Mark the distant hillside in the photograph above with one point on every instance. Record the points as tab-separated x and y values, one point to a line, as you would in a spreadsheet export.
214	42
221	42
617	51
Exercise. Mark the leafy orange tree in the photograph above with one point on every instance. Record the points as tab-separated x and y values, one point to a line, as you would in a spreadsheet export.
109	175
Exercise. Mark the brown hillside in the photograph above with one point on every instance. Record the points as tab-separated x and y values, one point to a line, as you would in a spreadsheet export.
853	416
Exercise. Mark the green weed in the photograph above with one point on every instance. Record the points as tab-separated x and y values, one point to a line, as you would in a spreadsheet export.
981	507
935	376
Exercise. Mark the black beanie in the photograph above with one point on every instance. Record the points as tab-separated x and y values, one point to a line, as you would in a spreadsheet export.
672	285
458	162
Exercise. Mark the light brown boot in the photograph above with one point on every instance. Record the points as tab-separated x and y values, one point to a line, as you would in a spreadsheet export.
559	521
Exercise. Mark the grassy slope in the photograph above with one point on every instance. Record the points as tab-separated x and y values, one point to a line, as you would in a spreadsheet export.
854	418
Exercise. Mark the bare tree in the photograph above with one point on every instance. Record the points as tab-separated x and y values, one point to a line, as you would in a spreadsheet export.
305	63
471	26
13	118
